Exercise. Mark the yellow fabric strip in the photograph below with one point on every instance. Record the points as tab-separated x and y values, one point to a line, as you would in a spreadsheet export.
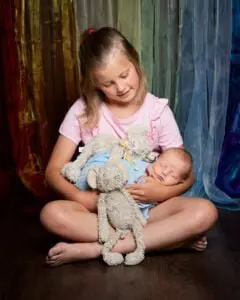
20	37
36	62
69	49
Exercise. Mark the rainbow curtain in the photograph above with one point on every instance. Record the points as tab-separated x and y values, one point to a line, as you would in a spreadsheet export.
185	49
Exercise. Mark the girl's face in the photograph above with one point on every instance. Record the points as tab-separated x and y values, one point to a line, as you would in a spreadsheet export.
118	79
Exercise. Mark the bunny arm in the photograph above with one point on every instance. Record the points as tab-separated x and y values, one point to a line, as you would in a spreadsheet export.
90	149
133	204
113	258
84	156
137	255
103	226
71	170
113	239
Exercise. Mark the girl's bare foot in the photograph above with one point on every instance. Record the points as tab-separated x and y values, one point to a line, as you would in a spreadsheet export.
63	253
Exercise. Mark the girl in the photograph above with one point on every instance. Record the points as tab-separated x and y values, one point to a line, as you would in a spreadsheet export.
114	98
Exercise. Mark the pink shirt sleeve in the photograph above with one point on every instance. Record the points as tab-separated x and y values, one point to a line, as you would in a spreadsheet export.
70	126
169	134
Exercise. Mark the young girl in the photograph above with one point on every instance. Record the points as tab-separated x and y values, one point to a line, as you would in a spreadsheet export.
114	98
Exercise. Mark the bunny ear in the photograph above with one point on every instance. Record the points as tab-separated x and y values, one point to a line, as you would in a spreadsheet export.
138	130
92	178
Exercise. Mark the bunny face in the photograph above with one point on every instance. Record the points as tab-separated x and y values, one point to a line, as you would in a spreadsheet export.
107	178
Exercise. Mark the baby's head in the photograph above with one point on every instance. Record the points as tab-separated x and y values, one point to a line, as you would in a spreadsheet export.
110	70
173	166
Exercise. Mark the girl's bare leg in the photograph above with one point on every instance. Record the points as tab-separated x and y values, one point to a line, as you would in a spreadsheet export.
170	224
198	243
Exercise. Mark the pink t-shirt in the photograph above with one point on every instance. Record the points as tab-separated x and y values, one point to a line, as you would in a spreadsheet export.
154	114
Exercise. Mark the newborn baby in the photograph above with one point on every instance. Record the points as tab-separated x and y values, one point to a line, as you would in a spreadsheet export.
172	167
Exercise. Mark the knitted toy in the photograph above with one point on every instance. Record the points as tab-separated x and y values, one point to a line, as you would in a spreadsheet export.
116	206
136	146
107	164
99	144
102	148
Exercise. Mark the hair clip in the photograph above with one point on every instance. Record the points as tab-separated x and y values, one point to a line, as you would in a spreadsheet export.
91	30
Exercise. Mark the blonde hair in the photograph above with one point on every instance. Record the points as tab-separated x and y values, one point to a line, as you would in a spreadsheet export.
185	157
95	46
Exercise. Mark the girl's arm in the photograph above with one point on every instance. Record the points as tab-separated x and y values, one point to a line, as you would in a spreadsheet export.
169	136
62	153
153	191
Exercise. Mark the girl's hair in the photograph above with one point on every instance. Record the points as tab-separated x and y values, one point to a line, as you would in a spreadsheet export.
95	46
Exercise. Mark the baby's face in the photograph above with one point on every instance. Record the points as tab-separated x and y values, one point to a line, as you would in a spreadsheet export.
167	169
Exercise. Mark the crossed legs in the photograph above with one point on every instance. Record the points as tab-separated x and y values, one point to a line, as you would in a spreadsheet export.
170	224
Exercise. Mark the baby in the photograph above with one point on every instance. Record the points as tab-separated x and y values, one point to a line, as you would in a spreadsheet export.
172	167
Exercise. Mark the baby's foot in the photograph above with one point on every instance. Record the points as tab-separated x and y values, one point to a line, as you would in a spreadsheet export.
63	253
198	245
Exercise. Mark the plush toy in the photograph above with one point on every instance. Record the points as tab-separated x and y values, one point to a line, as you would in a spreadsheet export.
107	164
116	206
103	143
135	146
102	148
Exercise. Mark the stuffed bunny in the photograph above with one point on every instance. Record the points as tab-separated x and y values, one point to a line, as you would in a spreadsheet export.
135	146
102	148
116	206
107	164
103	143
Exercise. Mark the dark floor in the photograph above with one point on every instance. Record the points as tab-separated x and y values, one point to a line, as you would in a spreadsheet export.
214	274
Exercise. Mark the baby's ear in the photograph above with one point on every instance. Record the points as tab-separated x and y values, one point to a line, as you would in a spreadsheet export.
92	178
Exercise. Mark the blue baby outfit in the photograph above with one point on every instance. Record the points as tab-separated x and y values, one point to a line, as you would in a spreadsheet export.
95	161
135	171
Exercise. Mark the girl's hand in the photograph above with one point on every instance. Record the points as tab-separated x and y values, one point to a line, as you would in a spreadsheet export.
148	191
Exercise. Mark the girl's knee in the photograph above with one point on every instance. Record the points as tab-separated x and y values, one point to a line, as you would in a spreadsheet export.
49	213
57	213
206	214
54	213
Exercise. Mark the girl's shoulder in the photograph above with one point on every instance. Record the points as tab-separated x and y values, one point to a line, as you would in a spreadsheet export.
77	108
156	106
70	126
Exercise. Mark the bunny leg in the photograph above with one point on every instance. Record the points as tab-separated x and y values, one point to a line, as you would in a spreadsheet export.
112	258
137	256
